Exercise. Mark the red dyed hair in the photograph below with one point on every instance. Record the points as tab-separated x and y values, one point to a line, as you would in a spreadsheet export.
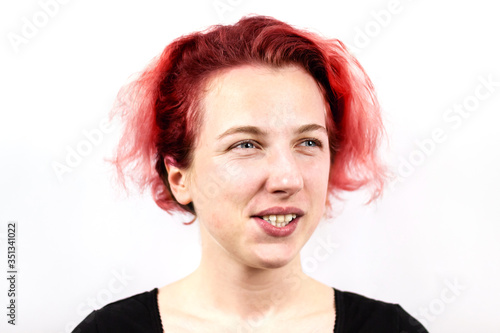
161	109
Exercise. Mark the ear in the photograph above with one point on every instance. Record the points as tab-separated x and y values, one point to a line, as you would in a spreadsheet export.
177	178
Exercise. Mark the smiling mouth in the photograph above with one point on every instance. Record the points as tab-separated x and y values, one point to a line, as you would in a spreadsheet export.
278	220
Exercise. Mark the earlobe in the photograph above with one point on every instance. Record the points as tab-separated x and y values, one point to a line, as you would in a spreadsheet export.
177	179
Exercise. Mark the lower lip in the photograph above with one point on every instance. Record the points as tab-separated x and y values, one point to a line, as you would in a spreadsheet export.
271	230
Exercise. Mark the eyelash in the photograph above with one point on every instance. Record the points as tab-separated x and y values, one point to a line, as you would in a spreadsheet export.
316	141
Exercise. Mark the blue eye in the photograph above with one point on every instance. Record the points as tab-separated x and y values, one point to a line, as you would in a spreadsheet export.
245	145
249	144
312	143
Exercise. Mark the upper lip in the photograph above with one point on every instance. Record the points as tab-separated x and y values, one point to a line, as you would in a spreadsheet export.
281	211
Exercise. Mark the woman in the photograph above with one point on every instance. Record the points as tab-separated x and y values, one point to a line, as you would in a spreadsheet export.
252	128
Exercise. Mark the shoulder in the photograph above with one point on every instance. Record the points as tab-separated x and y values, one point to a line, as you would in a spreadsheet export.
358	313
138	313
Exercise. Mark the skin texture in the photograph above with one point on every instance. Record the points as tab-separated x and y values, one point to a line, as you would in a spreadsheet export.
247	277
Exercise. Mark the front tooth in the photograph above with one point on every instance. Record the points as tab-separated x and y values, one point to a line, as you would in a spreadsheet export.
279	220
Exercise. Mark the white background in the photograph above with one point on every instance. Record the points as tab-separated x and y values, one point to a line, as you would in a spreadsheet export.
430	244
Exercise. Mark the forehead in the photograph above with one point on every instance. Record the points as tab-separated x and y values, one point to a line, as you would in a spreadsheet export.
264	97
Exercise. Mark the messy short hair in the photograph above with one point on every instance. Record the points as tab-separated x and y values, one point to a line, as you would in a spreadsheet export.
162	114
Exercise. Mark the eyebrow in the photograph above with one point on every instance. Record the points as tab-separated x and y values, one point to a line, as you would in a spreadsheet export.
257	131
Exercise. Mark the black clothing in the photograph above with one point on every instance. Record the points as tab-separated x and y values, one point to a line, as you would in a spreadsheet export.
354	314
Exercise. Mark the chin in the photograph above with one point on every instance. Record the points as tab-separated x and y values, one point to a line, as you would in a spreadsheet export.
275	264
274	260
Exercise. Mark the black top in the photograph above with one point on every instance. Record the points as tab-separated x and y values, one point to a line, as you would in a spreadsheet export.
354	313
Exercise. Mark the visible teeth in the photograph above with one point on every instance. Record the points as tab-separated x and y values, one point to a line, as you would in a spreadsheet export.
279	220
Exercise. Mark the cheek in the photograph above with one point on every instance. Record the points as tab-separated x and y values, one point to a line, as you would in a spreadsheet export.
317	173
238	178
221	186
316	176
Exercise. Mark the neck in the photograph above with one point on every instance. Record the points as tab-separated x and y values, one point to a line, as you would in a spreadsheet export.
237	290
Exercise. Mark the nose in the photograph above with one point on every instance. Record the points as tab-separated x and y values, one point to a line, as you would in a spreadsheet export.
284	174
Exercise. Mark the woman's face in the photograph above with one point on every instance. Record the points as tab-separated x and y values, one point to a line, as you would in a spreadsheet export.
263	145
